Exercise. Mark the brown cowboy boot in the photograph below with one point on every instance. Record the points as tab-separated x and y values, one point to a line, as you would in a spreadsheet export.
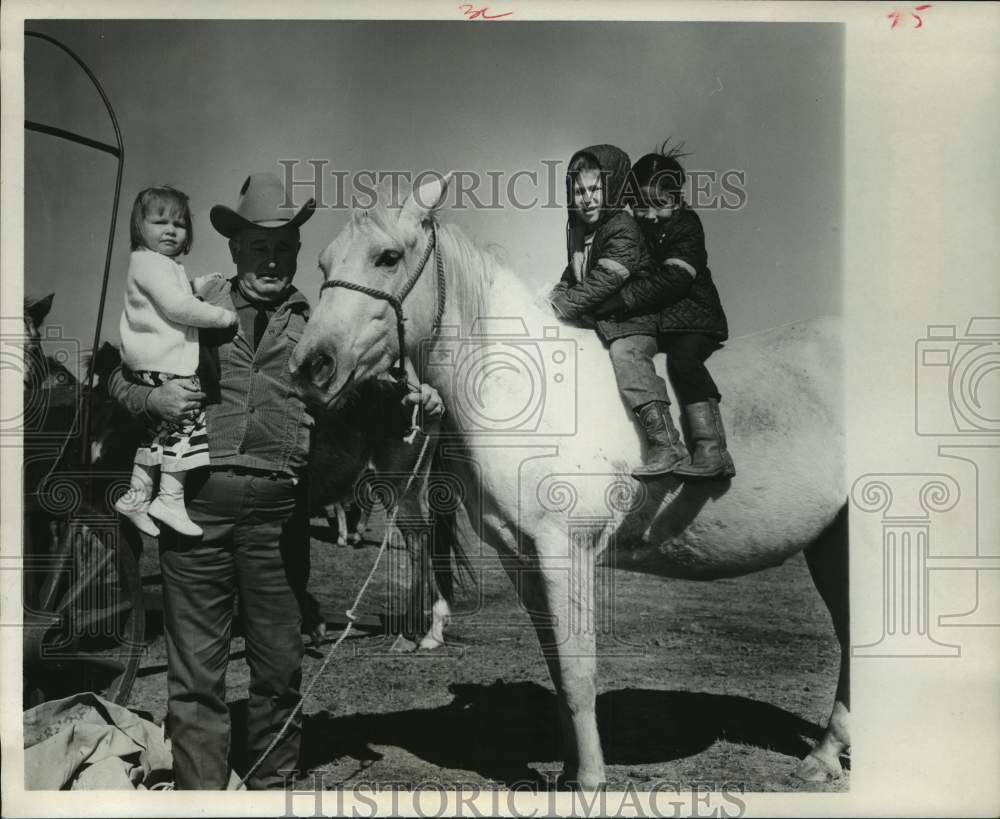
709	457
664	450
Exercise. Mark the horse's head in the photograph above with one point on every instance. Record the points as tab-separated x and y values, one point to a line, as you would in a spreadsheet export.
352	335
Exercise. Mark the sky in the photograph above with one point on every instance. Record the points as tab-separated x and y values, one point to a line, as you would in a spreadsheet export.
202	104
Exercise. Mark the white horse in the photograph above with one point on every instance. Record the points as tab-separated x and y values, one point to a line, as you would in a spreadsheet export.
543	444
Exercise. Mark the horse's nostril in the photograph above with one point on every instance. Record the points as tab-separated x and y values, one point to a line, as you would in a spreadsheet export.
319	368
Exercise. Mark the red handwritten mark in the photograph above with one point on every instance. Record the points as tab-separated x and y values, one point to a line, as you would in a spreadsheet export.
896	15
483	13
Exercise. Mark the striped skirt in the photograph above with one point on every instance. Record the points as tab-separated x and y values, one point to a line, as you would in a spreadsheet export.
172	447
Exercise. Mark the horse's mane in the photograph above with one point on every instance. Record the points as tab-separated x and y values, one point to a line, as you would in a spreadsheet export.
469	273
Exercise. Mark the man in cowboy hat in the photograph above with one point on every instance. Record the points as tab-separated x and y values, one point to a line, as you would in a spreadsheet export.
250	503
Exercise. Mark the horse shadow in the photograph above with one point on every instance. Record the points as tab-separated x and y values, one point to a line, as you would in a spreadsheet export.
497	730
664	509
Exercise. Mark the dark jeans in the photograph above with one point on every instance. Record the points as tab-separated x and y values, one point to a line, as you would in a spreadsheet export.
255	543
686	355
632	359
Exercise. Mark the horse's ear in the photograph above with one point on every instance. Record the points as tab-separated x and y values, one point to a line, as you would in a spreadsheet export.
424	201
38	309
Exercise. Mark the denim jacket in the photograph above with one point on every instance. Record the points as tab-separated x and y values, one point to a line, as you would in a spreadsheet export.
255	420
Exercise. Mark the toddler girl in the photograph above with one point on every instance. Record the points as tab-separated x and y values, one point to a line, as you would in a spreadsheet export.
159	333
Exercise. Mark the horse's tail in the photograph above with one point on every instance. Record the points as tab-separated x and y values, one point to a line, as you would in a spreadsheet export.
450	562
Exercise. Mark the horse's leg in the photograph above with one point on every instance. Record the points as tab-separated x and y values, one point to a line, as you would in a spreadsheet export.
408	571
440	618
341	524
358	530
828	564
416	523
558	595
446	547
444	544
334	513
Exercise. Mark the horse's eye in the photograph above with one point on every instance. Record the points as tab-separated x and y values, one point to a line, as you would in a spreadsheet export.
388	258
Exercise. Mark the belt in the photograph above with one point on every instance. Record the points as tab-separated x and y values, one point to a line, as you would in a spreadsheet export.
271	474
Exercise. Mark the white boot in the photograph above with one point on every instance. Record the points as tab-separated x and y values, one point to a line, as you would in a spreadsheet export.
168	506
134	504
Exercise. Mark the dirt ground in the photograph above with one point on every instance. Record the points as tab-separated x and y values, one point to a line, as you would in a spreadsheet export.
700	684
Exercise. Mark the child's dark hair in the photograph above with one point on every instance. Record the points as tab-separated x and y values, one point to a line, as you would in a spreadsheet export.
662	170
167	198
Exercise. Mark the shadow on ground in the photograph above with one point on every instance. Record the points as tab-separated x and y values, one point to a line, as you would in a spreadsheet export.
497	730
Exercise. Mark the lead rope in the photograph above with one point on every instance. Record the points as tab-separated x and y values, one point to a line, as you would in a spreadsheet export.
351	613
442	294
352	617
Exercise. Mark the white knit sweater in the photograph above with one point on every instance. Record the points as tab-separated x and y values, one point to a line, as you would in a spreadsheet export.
159	325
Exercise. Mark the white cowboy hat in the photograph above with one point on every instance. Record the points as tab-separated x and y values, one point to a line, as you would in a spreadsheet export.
260	205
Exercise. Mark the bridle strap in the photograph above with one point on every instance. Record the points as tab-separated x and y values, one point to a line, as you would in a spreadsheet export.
396	300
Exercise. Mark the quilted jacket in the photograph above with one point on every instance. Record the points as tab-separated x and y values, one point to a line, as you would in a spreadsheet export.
618	253
684	303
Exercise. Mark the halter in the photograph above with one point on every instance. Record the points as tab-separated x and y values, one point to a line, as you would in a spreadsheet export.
396	300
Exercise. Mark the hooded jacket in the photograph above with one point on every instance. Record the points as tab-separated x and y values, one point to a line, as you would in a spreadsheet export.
617	252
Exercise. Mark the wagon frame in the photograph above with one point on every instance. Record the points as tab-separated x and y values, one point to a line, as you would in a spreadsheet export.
83	613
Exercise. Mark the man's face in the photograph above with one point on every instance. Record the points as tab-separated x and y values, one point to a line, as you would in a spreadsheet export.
266	260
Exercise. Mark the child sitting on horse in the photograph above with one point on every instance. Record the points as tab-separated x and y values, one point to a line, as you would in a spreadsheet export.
691	321
159	336
606	249
666	301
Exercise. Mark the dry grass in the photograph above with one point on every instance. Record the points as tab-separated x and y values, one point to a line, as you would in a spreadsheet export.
700	684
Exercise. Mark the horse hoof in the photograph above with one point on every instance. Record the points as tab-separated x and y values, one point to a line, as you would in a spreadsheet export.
576	782
429	643
590	785
817	769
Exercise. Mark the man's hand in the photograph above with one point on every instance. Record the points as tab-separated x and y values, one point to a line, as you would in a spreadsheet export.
176	401
429	398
